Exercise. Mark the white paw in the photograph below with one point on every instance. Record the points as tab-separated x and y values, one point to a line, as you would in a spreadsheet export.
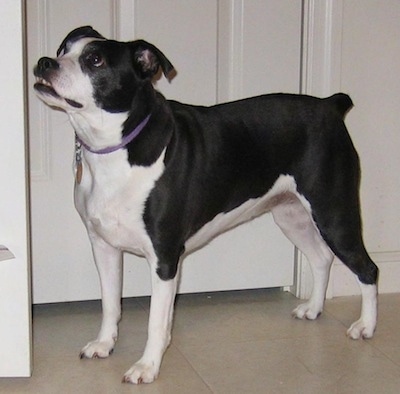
361	329
306	311
141	373
97	349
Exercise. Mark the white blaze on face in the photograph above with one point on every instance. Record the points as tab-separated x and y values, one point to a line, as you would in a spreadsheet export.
70	82
73	87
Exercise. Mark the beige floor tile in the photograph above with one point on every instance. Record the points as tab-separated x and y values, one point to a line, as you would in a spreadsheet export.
71	375
258	315
307	365
234	342
66	328
386	338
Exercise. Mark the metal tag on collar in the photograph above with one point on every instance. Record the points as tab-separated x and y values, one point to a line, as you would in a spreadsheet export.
78	161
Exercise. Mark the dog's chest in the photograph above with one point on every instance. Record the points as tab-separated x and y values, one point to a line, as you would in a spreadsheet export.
111	199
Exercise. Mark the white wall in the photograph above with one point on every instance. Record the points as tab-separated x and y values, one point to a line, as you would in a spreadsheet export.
15	319
354	46
370	64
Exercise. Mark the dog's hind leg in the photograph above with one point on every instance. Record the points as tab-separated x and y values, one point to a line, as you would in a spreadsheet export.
109	265
296	223
342	233
159	331
345	240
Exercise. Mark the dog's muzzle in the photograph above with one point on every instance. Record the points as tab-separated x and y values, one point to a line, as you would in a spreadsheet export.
43	72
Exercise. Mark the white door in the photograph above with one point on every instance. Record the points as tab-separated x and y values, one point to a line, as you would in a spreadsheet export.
15	303
222	50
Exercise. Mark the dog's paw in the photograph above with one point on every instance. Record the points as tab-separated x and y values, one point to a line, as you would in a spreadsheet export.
141	373
97	349
361	330
306	311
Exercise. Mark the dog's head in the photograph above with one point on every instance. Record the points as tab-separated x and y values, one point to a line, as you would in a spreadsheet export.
90	70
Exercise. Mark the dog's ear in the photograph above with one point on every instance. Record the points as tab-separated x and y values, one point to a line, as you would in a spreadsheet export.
149	59
74	35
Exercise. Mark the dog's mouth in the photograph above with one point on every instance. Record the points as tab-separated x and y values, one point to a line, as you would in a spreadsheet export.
45	87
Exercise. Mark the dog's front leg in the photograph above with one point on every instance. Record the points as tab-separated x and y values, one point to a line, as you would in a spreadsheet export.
109	265
159	331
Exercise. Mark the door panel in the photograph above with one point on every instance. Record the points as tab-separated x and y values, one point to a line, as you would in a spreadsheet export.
222	50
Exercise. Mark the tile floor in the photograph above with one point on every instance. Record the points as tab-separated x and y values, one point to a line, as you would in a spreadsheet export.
233	342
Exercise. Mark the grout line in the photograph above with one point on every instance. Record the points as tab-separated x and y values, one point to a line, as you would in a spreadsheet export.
193	368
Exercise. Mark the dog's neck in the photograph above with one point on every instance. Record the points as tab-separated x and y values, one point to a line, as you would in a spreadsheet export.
126	139
101	129
97	128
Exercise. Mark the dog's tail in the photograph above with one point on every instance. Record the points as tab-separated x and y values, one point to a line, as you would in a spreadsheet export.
341	102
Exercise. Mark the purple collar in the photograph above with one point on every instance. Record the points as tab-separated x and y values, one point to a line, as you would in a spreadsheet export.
125	140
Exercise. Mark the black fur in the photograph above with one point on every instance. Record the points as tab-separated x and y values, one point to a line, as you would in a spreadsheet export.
218	157
221	156
75	35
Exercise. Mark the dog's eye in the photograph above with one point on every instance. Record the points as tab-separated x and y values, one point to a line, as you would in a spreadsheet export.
95	60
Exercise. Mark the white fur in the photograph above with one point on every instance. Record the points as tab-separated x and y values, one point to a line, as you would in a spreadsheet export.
283	187
159	331
295	220
111	198
69	81
109	265
292	213
364	327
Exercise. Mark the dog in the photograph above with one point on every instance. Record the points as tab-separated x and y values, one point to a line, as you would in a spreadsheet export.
160	179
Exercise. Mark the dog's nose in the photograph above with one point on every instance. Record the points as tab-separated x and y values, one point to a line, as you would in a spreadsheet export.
47	63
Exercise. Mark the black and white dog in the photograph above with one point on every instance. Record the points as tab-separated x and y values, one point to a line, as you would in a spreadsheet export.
159	178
